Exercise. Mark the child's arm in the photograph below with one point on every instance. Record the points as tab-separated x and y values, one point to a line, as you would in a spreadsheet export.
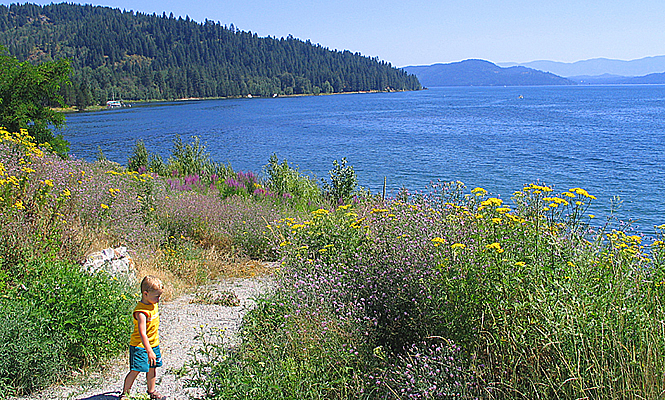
142	321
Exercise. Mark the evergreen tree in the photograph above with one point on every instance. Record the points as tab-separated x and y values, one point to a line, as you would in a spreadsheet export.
134	56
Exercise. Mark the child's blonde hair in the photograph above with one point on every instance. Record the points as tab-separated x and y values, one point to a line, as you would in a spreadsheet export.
150	283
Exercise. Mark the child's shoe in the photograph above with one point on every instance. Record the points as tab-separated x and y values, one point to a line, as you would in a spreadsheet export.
156	396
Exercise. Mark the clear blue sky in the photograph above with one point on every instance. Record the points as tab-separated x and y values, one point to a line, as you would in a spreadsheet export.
419	32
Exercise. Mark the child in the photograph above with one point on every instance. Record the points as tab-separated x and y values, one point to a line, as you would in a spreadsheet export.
144	354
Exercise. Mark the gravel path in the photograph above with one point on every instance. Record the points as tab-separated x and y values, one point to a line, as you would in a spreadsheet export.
180	321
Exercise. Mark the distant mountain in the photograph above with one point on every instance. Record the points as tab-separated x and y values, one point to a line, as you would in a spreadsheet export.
482	73
598	66
650	79
604	79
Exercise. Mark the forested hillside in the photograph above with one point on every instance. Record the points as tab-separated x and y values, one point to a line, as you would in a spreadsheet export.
123	54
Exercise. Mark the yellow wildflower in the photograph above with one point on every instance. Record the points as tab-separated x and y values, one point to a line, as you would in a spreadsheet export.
582	192
104	206
492	201
479	191
438	241
495	246
460	246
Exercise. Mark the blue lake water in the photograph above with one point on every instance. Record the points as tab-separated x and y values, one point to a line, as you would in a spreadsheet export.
609	140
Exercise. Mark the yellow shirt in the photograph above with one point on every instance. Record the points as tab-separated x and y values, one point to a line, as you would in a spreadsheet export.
151	312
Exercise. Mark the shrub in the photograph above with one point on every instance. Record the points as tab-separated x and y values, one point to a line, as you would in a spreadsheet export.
138	160
32	354
193	158
343	183
60	319
288	182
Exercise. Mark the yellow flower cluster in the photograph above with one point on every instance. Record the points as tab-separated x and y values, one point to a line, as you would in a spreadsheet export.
492	201
479	191
536	189
582	192
22	139
494	246
132	174
320	212
555	201
438	241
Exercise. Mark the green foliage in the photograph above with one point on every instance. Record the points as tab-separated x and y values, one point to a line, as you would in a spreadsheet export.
138	160
59	319
157	165
270	365
32	354
100	156
27	93
192	159
136	56
285	180
343	182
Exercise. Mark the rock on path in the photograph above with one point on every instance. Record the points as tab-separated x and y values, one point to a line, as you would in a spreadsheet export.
180	321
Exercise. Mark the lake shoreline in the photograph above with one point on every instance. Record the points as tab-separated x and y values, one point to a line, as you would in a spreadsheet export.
96	108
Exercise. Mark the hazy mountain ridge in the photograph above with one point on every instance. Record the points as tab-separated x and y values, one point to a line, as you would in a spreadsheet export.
597	67
482	73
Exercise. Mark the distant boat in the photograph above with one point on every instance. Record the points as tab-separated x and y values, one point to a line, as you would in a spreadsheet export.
116	104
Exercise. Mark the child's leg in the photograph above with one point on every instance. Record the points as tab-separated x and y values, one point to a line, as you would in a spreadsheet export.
129	381
150	377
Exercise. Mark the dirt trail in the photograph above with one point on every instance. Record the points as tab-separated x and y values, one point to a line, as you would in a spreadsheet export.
180	321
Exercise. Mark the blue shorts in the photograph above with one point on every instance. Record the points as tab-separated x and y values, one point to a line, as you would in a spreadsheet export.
138	359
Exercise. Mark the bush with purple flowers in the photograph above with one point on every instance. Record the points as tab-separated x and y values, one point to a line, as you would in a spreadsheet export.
456	294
